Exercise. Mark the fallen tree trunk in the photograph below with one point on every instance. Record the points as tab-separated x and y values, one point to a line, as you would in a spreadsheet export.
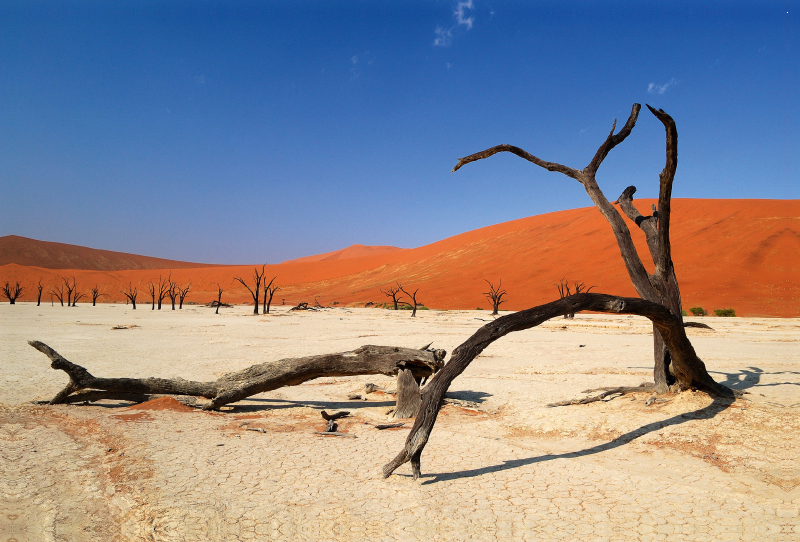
689	370
232	387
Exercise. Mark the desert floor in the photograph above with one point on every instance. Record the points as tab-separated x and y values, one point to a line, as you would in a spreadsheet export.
501	465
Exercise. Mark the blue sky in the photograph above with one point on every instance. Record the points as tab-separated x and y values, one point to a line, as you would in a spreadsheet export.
245	132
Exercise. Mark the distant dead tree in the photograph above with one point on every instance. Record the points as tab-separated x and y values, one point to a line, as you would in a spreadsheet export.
413	297
96	294
182	294
39	287
71	286
173	292
219	298
131	294
257	291
495	295
77	296
392	292
163	289
58	294
158	291
565	291
662	286
269	292
151	289
12	292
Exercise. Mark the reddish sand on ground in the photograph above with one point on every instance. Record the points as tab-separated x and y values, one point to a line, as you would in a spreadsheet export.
740	254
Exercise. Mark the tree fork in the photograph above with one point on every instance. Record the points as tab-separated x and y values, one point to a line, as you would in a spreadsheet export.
689	370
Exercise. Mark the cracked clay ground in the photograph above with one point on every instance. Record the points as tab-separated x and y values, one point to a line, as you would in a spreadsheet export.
499	465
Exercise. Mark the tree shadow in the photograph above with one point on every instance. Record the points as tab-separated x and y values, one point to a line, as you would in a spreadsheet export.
278	404
751	378
705	413
468	395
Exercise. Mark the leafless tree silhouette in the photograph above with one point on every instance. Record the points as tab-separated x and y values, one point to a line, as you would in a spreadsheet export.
393	292
495	295
269	292
12	292
182	294
255	292
39	287
219	298
131	294
565	291
96	294
414	304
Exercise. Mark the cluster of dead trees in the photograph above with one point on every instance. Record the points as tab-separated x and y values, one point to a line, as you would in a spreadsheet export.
394	292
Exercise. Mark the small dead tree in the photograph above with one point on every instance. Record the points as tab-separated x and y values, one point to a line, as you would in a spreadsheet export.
96	294
77	296
182	294
131	294
495	295
565	291
151	289
163	289
414	304
173	292
58	294
255	292
392	292
219	298
70	285
39	287
269	292
12	292
662	286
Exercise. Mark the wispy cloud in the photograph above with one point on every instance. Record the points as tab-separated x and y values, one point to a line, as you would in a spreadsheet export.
461	14
463	17
444	37
653	88
360	60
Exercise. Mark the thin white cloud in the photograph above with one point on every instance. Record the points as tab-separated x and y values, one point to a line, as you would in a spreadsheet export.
444	37
461	14
653	88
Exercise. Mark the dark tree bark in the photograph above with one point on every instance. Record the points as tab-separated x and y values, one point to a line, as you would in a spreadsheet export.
173	291
70	287
131	294
39	287
232	387
660	287
257	290
183	292
408	395
151	289
59	294
77	296
12	292
392	292
495	295
413	303
689	370
163	289
219	298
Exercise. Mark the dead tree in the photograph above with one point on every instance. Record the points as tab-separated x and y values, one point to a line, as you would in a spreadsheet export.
392	292
662	286
58	294
163	289
232	387
565	291
96	294
39	287
173	292
495	295
413	303
77	296
151	289
70	287
269	292
257	290
182	294
689	370
131	294
219	298
12	292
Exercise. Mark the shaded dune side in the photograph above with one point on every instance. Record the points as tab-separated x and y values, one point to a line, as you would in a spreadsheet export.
743	254
35	253
353	251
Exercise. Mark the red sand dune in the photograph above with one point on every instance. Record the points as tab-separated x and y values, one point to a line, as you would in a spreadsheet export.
742	254
353	251
30	252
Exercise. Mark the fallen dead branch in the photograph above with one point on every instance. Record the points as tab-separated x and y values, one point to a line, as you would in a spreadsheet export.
232	387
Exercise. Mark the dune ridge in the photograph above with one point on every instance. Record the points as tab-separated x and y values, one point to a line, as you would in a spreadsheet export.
740	254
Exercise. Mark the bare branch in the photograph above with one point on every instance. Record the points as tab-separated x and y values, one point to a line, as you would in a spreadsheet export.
550	166
612	141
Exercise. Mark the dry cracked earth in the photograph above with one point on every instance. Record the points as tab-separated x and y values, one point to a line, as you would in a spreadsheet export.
499	464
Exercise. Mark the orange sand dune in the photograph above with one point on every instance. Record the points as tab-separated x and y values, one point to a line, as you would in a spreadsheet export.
30	252
742	254
353	251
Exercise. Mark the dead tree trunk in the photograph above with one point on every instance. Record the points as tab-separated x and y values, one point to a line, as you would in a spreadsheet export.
232	387
219	298
689	370
413	300
495	295
269	292
39	287
254	292
151	289
77	296
183	292
662	286
70	286
172	292
131	294
12	292
408	395
392	292
96	294
59	294
163	289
